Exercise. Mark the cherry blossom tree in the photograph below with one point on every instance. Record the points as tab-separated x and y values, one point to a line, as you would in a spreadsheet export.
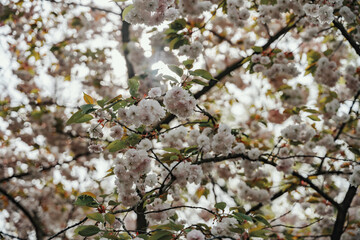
180	119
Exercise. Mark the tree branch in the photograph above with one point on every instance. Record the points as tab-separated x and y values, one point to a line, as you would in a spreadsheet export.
275	196
21	175
342	212
347	36
38	231
228	70
69	227
263	160
84	5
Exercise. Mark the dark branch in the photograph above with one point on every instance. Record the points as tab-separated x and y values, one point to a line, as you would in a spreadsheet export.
2	234
69	227
263	160
275	196
84	5
38	231
342	212
347	36
21	175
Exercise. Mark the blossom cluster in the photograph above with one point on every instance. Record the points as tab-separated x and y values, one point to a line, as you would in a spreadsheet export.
323	13
192	51
179	102
223	228
193	7
299	132
185	173
161	216
151	12
147	112
326	72
237	13
132	171
355	176
352	78
253	194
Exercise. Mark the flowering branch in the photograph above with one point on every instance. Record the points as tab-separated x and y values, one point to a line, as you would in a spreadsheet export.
229	69
38	231
69	227
263	160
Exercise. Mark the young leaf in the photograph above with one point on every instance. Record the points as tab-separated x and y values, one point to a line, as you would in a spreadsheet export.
96	217
86	200
161	235
314	117
261	219
201	73
117	145
241	217
220	205
79	117
173	150
167	77
110	218
176	70
198	81
88	99
87	108
188	63
257	49
127	10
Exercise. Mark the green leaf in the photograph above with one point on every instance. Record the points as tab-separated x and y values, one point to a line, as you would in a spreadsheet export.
245	60
261	219
328	52
87	108
120	104
188	63
86	200
113	203
102	102
174	158
134	86
167	77
161	235
313	56
79	117
201	73
117	145
127	10
198	81
133	139
176	70
169	226
311	110
110	218
173	150
259	233
178	24
96	217
191	149
314	117
257	49
220	205
87	230
241	217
